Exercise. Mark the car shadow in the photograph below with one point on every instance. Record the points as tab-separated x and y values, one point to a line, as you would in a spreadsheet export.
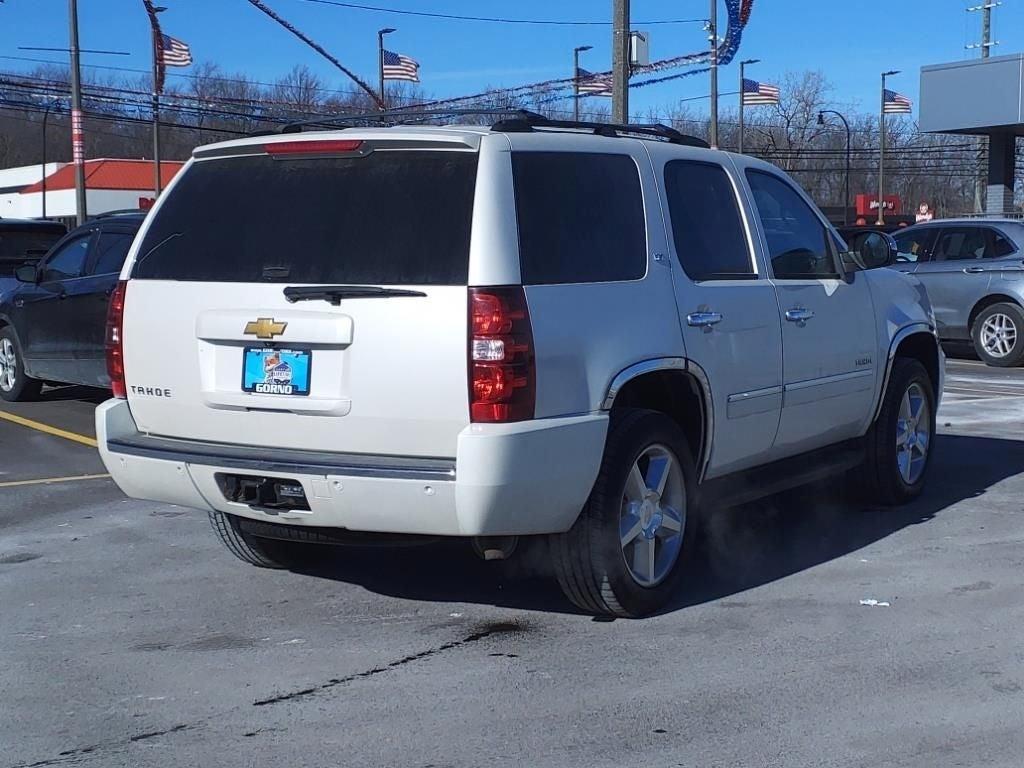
60	393
742	547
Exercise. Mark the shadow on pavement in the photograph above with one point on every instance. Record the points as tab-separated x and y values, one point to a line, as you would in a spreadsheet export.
743	547
73	392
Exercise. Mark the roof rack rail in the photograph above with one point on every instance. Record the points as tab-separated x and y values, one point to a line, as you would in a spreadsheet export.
118	212
511	121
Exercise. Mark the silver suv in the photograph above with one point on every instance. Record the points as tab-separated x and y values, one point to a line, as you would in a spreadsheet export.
973	270
589	334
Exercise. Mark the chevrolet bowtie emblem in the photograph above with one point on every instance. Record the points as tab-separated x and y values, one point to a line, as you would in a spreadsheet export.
264	328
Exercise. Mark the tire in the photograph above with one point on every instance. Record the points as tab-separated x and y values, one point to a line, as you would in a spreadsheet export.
895	471
998	335
15	384
590	560
255	550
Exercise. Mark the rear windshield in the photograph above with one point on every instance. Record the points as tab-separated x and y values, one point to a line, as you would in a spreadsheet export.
18	246
389	218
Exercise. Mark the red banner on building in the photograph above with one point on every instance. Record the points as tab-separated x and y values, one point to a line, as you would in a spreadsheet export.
868	204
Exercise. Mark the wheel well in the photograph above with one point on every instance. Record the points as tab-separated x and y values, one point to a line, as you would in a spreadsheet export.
674	393
985	303
925	349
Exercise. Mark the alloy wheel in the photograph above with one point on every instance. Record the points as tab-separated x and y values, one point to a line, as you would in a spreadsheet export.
652	520
8	365
913	434
999	335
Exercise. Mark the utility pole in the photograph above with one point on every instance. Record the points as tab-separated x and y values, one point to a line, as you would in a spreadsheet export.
380	62
986	44
713	35
881	150
620	61
77	144
743	79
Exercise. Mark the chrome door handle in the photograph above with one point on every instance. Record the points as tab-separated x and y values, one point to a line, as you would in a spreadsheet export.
703	319
973	270
799	315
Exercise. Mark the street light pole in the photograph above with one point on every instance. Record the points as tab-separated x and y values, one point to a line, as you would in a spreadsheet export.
576	80
846	197
380	62
881	150
46	116
743	79
77	143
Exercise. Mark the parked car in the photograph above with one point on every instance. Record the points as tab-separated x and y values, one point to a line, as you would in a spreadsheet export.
24	241
52	323
973	270
497	333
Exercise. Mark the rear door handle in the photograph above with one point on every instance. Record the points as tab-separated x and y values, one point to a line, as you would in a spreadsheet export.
799	315
703	319
974	270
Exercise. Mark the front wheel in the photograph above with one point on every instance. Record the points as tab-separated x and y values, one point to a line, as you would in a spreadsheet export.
15	384
899	444
624	555
998	335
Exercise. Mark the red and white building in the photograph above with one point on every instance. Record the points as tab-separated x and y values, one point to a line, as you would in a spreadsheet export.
111	185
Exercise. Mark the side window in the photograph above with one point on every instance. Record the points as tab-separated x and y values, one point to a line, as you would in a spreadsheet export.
68	261
111	250
962	244
1001	246
706	224
797	240
581	217
915	245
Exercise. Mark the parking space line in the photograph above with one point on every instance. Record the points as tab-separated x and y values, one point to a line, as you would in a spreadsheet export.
40	427
48	480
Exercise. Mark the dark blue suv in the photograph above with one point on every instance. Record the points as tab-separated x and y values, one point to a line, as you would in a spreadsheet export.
52	323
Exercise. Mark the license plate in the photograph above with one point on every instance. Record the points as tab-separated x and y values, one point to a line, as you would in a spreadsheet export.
268	371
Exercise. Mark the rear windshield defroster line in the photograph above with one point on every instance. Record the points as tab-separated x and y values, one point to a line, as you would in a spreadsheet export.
390	218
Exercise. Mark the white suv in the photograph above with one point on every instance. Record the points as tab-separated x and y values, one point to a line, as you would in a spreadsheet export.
536	328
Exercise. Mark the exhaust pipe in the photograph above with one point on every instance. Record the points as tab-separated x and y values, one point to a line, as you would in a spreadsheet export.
495	547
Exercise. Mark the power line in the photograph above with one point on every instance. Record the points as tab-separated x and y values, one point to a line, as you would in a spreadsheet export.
495	20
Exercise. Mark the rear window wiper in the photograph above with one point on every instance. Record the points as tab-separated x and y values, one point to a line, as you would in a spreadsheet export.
335	293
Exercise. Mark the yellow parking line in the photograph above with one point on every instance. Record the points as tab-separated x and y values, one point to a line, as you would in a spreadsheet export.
48	480
39	426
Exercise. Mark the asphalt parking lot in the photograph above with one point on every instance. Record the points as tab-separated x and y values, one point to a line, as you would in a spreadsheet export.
130	637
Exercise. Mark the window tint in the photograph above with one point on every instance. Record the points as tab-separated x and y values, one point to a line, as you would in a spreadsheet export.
581	217
1001	246
111	250
914	245
388	218
706	223
68	261
797	240
962	244
20	246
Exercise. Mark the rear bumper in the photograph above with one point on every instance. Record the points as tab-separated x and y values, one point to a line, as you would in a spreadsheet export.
506	479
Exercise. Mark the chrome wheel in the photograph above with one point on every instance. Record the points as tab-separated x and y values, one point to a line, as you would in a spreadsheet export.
8	365
652	520
913	434
998	335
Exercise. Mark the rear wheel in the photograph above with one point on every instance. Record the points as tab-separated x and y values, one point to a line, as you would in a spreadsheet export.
899	444
255	550
15	384
998	335
624	555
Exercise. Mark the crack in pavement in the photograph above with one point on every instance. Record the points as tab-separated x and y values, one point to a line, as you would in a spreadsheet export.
482	633
499	628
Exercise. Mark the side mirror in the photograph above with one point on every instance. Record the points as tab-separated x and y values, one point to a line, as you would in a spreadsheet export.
26	273
871	250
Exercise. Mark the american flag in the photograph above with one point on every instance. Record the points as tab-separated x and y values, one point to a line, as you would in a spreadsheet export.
174	53
593	85
755	93
895	103
399	67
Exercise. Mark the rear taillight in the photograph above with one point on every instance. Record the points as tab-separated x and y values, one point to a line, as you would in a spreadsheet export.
313	147
501	361
115	340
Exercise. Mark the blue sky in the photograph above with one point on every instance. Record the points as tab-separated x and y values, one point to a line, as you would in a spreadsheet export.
851	42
